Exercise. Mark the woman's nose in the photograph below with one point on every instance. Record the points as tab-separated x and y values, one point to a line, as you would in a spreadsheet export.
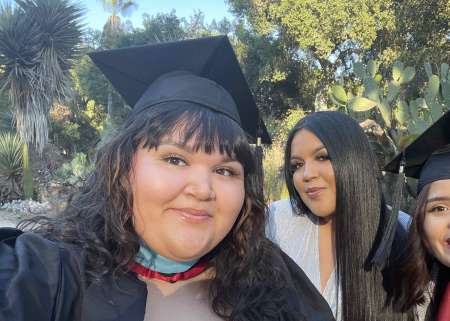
200	185
309	172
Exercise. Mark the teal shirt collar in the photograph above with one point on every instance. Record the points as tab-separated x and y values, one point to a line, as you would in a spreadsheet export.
158	263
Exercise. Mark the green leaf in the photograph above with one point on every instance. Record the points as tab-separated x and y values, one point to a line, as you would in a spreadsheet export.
360	104
426	115
436	111
349	96
421	126
371	68
403	106
393	88
377	147
433	86
428	70
421	103
414	110
397	70
402	113
412	129
371	89
358	69
401	117
407	75
378	78
351	112
446	92
444	72
385	110
339	95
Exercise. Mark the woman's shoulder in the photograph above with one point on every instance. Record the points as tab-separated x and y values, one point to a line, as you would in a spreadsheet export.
38	271
283	206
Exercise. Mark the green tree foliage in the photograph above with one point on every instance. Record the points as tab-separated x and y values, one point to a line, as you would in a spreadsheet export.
274	182
38	39
323	33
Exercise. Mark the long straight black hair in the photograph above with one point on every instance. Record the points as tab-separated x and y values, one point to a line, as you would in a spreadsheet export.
361	215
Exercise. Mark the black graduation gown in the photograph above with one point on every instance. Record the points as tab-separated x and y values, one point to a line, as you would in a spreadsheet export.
43	280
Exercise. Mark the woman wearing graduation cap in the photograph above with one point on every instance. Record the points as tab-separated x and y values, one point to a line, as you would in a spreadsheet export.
336	224
170	225
424	275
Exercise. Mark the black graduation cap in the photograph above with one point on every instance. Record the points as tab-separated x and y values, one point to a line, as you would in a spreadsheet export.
427	158
204	70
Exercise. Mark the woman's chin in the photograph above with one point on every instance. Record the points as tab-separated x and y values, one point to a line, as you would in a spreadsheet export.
189	249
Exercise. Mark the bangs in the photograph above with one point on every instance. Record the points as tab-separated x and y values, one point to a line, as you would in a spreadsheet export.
201	127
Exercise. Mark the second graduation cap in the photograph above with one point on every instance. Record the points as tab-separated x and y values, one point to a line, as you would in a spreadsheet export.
188	70
427	158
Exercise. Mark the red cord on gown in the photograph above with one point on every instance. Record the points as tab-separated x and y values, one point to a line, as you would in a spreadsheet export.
194	271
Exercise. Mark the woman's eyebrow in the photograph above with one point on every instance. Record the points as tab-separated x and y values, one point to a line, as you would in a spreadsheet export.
315	150
438	199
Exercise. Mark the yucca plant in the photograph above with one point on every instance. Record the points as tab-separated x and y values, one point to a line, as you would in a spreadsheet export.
38	38
11	158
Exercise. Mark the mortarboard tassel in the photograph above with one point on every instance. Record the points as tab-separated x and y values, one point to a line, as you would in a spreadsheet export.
384	249
258	148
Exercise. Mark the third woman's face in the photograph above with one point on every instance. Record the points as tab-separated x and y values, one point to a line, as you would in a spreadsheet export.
437	220
313	173
185	201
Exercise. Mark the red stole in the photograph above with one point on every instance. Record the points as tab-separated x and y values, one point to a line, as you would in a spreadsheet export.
444	307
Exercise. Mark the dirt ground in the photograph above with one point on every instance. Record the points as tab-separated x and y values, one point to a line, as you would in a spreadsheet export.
9	219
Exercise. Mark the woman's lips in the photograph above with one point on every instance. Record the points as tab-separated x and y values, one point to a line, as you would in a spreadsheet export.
314	192
192	215
447	243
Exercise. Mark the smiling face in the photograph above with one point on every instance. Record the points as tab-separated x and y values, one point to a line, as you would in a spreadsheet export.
437	220
313	174
185	202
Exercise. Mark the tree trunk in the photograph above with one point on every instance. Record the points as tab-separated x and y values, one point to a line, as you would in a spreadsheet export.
328	69
110	105
320	104
41	174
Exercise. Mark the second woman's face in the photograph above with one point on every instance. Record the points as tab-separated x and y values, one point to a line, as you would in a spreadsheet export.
437	220
313	173
185	202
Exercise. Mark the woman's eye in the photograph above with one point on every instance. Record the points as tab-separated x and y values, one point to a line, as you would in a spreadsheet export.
322	158
225	172
175	161
296	166
439	208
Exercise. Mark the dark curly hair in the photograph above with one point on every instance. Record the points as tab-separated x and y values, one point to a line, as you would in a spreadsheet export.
249	282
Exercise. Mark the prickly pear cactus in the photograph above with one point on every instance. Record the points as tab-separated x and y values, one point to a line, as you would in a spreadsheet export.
415	117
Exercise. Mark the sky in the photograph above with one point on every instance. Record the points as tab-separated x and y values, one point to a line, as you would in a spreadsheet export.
96	17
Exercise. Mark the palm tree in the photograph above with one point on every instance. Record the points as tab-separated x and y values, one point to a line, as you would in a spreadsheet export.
111	28
124	8
38	40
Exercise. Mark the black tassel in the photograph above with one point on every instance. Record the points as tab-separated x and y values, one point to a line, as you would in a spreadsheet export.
383	251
